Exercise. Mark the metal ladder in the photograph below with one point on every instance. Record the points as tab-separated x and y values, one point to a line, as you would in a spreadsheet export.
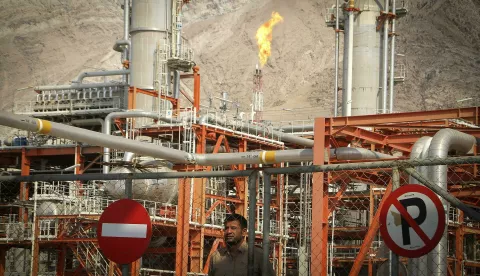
90	257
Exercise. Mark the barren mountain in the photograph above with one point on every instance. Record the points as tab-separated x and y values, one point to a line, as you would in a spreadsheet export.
51	41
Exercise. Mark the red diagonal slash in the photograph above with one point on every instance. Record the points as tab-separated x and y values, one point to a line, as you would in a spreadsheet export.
411	222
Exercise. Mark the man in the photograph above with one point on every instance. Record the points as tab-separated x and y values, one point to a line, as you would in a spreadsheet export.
233	259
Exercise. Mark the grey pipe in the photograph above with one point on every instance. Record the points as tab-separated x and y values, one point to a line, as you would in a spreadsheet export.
444	141
88	122
337	50
346	153
347	98
176	156
77	86
126	20
245	127
267	198
121	45
128	156
252	204
131	114
419	266
392	58
385	59
84	75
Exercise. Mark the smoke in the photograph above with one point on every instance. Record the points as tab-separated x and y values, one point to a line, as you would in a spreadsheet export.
264	37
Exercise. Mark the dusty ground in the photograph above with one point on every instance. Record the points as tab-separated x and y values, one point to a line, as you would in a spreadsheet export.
49	42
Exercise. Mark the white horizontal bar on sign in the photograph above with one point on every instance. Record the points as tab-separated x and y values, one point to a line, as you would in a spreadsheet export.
124	230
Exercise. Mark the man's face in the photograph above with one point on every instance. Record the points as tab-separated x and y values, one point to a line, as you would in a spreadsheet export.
234	232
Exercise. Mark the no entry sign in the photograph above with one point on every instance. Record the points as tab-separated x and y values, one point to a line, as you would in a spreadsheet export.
412	221
124	231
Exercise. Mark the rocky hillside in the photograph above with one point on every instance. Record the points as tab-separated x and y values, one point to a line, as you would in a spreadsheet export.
51	41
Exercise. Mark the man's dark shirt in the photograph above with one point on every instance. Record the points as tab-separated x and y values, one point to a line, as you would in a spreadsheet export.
224	263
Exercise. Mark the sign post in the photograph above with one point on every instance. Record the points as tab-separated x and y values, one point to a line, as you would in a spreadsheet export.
412	221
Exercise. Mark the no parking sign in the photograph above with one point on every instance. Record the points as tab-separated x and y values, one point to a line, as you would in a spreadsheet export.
412	221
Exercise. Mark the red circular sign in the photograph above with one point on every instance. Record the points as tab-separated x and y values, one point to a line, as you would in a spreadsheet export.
124	231
416	232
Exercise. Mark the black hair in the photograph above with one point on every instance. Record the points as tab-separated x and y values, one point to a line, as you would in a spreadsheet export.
236	217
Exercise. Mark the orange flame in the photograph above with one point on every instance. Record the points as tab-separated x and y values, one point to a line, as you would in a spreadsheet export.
264	37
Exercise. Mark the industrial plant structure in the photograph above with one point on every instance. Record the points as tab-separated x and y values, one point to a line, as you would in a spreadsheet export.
320	224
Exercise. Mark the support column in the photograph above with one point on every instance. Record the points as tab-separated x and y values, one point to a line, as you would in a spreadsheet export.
459	234
241	183
3	255
36	249
183	227
197	235
25	171
319	238
198	209
370	220
61	254
196	88
135	267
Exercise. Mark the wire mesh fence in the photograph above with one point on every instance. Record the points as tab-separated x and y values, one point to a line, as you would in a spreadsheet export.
307	220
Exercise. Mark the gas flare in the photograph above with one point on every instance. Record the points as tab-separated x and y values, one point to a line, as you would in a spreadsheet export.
264	37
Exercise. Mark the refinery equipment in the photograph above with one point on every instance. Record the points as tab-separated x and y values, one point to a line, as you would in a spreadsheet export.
321	223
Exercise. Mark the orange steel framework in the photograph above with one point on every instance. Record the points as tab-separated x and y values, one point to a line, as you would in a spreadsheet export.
387	132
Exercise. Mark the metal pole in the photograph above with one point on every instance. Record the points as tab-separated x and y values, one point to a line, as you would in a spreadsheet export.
337	47
267	198
252	203
394	257
385	59
128	195
444	194
392	58
347	97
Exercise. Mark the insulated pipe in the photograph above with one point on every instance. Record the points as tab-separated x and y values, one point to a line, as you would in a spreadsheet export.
126	20
120	45
131	114
77	86
100	74
267	200
173	155
347	98
418	266
92	137
337	50
245	127
385	58
128	156
444	141
252	202
392	58
88	122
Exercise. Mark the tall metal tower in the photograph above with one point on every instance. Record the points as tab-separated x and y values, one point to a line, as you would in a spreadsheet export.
257	107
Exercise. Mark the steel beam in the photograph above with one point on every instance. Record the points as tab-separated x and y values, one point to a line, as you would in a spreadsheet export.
319	235
471	114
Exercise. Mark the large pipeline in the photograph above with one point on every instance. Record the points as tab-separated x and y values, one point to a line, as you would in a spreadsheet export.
245	127
173	155
419	266
84	75
127	114
444	141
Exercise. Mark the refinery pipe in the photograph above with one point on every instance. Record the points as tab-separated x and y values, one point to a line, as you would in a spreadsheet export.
84	75
77	86
173	155
129	114
245	127
444	141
